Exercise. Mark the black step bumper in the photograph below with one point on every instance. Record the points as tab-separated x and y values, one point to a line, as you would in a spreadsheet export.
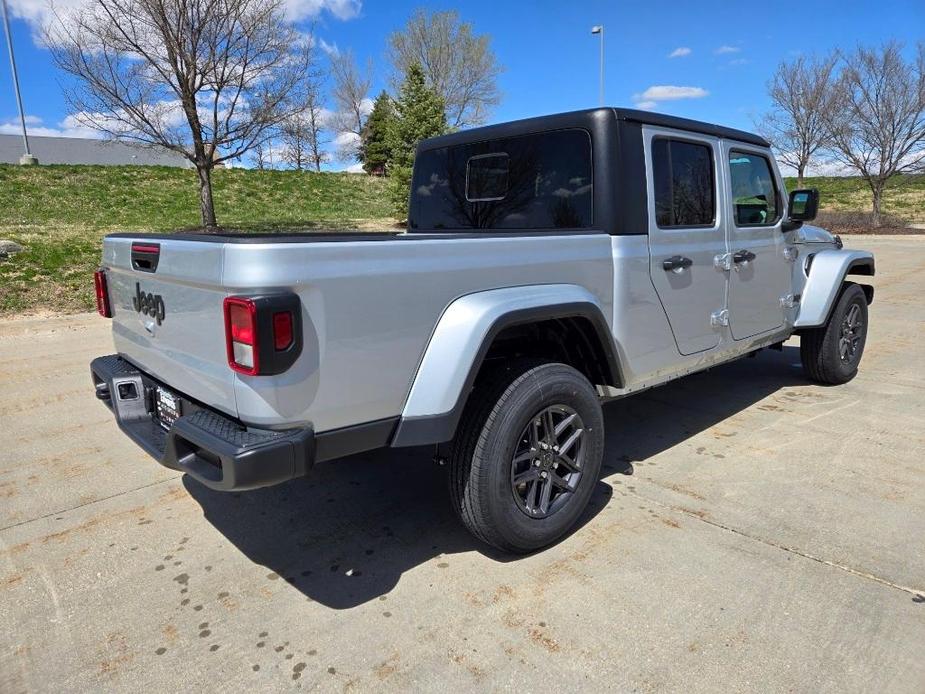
213	448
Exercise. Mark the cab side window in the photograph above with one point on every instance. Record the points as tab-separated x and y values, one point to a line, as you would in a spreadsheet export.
684	183
754	193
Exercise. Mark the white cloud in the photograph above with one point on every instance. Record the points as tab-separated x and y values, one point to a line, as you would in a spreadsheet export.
274	153
727	49
307	40
680	52
427	189
667	92
306	9
41	13
35	11
366	106
817	168
168	115
69	127
329	48
326	117
274	156
77	125
346	140
738	61
566	193
654	95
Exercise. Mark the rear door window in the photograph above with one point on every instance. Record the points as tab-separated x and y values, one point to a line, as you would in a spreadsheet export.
754	192
684	184
540	181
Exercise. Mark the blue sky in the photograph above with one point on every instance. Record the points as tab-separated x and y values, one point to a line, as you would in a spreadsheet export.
550	57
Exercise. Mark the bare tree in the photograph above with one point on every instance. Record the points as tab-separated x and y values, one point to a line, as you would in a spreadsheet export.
295	141
459	65
801	93
263	154
206	78
877	123
303	136
316	141
351	92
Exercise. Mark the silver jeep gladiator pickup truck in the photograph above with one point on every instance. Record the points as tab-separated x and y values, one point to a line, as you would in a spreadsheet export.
549	264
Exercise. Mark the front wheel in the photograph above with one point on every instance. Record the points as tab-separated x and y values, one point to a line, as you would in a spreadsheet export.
831	354
527	455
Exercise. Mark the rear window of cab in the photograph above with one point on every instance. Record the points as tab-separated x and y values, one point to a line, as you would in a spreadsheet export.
540	181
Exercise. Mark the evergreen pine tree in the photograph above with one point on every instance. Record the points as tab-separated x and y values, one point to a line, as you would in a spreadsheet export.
419	115
375	149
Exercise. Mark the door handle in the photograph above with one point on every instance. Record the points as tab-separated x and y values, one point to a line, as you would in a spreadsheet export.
676	263
742	257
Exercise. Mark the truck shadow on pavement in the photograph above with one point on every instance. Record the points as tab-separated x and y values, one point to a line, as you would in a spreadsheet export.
345	534
641	426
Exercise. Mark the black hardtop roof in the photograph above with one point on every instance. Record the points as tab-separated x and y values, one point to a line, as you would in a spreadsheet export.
584	119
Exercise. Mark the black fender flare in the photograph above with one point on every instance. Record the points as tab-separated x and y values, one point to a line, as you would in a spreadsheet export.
439	428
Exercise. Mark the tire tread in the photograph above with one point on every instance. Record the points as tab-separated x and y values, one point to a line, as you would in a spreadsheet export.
470	458
467	477
818	346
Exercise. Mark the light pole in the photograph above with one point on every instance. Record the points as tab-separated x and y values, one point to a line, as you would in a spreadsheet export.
599	29
26	158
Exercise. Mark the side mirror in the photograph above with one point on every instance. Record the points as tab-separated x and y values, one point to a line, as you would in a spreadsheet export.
803	205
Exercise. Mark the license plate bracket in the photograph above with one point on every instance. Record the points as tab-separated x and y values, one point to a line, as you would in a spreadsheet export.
167	407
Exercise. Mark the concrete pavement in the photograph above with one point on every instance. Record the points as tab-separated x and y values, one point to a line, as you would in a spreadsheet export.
753	531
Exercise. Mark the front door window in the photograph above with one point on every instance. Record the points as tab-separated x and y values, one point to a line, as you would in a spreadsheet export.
754	196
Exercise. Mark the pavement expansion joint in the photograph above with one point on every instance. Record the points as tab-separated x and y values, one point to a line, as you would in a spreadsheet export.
89	503
916	592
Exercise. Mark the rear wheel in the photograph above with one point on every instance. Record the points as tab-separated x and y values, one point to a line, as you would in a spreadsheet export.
831	354
527	455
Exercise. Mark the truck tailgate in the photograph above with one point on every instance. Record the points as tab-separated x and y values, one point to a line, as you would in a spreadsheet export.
168	319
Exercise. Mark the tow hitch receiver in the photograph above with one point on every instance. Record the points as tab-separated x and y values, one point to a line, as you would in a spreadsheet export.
182	434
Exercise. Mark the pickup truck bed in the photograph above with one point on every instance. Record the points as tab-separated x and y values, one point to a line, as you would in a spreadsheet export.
369	305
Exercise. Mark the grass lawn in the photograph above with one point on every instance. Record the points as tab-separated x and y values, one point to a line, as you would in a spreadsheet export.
59	214
904	198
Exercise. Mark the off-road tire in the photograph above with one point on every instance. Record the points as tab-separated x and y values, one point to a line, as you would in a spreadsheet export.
820	348
501	406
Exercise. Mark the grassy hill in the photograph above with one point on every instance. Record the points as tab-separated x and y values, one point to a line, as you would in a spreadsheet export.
904	198
60	213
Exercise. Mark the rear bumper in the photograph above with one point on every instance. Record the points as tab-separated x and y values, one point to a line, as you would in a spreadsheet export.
216	450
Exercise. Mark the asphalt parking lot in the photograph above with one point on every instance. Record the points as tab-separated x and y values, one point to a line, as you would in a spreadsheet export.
753	531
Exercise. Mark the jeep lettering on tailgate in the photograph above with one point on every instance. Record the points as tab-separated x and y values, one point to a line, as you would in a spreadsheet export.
149	304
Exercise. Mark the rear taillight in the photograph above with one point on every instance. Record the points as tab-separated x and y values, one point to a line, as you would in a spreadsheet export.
282	330
241	335
262	333
102	294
